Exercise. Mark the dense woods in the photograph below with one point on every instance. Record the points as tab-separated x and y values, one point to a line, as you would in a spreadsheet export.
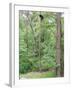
41	44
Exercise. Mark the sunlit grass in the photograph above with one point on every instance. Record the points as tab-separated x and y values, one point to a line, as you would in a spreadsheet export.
48	74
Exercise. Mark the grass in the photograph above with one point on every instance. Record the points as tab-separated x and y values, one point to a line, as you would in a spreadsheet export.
47	74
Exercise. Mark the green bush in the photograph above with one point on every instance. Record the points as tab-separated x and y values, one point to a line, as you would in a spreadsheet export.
24	67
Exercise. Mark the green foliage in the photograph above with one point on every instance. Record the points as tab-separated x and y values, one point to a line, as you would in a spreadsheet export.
33	30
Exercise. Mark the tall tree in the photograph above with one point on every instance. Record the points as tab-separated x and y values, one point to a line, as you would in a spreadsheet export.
41	38
62	47
58	45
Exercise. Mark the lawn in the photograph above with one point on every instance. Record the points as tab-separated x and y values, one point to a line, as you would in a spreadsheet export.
47	74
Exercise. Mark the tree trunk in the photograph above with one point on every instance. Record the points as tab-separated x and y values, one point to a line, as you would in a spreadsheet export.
62	52
34	38
26	22
58	45
39	46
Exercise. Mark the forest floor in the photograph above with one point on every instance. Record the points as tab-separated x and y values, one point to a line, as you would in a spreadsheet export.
46	74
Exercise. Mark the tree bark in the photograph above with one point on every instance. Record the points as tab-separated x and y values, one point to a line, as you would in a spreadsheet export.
58	45
39	51
62	52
